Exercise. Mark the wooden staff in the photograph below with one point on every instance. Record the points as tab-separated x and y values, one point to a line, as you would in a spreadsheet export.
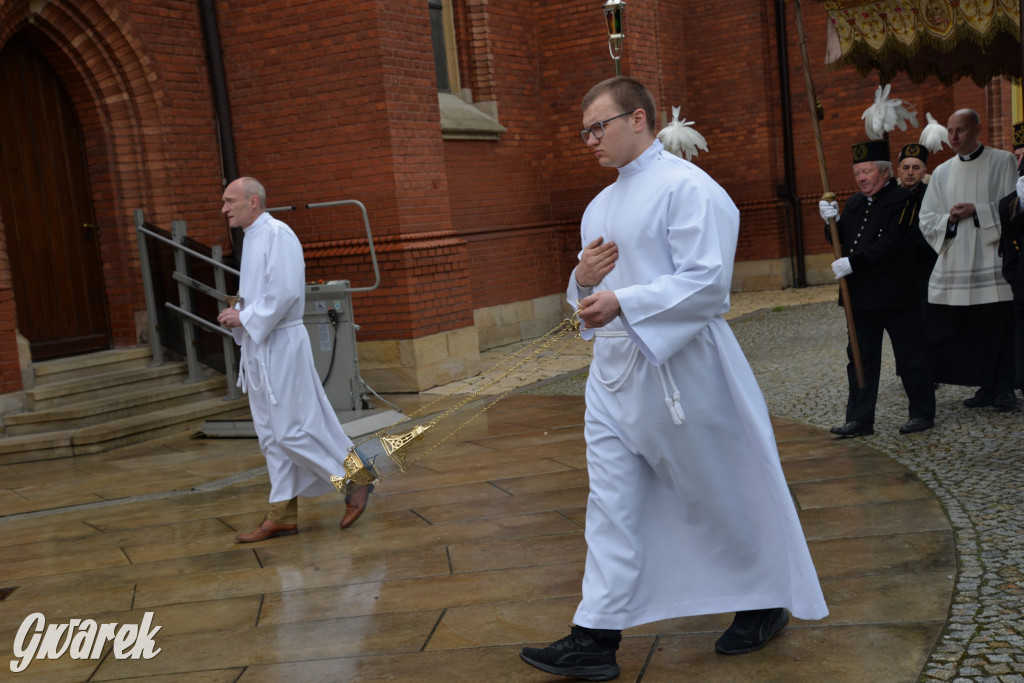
844	289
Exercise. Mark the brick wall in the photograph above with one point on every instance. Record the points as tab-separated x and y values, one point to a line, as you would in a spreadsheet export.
135	73
336	100
424	288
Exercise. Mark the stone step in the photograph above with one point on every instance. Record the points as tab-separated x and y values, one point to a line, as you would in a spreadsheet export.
100	402
32	447
125	404
106	436
87	365
182	419
112	383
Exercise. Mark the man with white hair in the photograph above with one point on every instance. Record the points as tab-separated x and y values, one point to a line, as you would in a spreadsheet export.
877	233
299	432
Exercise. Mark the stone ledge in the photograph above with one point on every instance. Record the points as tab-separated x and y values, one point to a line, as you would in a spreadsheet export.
774	274
415	365
509	323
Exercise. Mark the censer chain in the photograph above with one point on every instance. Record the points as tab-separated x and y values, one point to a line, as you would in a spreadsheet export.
553	336
568	324
505	393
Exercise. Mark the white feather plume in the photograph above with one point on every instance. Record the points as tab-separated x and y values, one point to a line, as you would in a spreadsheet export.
933	135
886	114
680	138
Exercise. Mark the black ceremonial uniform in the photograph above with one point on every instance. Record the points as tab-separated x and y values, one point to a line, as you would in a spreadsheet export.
878	236
1011	219
924	254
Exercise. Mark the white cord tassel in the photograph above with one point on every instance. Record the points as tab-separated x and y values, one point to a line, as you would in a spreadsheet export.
675	409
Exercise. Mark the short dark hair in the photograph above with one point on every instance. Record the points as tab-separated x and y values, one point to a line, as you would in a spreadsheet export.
629	93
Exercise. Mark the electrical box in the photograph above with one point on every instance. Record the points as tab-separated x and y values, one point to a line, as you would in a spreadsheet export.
332	335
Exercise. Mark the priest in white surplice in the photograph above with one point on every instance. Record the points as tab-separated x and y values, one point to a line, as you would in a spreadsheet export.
689	512
969	317
299	432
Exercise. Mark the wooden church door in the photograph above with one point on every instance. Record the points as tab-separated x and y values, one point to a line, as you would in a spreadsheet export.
46	206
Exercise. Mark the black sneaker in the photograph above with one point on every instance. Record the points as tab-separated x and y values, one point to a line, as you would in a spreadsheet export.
579	654
751	630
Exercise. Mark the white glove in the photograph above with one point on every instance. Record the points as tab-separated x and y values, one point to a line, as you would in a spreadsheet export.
828	210
842	267
1020	188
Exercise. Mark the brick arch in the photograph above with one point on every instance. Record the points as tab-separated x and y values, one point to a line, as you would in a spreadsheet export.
91	47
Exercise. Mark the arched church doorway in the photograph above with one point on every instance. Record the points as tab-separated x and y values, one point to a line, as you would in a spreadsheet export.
46	206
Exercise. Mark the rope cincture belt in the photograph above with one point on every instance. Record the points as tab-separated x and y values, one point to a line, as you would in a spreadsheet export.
360	467
668	385
263	375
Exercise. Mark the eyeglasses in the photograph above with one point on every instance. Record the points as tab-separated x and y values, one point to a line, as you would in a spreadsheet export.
597	130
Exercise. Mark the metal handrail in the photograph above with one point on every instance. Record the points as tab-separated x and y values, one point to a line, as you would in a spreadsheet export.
369	238
185	282
191	252
202	322
156	348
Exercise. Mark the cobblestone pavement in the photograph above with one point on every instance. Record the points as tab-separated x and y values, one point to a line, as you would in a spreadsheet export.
973	460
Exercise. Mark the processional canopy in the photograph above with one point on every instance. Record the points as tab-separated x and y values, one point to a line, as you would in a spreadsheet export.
948	39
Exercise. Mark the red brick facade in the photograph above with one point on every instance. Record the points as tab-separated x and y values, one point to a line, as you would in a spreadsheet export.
338	100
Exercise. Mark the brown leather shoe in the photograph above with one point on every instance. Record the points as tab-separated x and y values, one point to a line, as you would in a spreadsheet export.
355	503
268	529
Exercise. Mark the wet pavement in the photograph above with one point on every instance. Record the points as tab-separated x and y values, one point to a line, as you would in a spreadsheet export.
478	549
972	462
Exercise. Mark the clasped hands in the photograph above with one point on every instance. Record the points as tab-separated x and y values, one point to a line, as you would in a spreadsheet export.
596	261
960	211
229	318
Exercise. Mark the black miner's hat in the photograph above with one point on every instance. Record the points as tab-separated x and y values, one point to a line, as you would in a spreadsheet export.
872	150
917	151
